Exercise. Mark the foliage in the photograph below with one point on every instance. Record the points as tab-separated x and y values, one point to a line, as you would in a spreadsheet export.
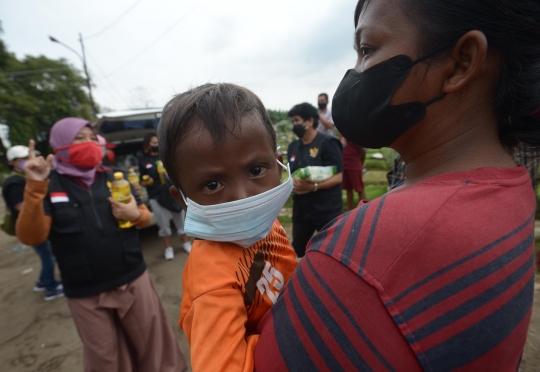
376	165
35	92
375	178
277	115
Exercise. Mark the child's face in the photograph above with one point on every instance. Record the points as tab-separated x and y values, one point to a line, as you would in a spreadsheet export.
244	165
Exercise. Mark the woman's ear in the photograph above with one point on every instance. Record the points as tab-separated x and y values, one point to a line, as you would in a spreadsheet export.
310	122
175	193
466	61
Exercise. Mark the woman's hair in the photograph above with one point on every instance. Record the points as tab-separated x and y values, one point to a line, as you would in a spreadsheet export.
218	108
146	140
306	111
511	27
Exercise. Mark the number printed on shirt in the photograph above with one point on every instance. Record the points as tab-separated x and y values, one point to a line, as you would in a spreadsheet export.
271	278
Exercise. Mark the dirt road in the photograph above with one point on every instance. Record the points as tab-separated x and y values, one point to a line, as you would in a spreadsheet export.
36	335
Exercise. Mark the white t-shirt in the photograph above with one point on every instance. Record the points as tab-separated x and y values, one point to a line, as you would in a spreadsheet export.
327	115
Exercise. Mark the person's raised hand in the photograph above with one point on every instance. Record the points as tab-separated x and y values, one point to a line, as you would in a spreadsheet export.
37	167
125	211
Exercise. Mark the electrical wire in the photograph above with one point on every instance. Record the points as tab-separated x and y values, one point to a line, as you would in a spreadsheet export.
105	77
32	72
149	46
114	22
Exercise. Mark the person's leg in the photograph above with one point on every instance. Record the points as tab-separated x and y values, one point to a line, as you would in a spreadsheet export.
302	231
148	330
164	223
46	276
178	219
346	185
97	328
350	199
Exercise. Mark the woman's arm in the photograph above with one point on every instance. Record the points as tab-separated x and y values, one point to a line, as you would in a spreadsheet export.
33	225
144	218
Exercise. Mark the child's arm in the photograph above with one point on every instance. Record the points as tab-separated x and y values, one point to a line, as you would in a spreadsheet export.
215	329
213	317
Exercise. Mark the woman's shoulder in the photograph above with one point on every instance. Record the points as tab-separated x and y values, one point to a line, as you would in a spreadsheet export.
425	222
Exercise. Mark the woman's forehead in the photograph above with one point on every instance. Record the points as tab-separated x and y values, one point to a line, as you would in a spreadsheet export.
382	15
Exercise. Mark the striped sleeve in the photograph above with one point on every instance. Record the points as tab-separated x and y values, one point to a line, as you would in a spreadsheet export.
312	327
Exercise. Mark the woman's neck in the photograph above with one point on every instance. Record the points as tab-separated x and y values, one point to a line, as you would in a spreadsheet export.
464	146
309	136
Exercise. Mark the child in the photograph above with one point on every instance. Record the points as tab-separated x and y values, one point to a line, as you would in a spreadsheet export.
219	148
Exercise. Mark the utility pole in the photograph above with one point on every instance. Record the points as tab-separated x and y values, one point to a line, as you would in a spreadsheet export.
88	83
83	59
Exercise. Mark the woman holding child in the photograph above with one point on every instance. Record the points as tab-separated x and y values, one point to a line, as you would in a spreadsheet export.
117	312
438	274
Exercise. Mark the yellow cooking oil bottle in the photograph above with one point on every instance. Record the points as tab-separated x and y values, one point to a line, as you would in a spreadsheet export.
121	191
161	171
133	178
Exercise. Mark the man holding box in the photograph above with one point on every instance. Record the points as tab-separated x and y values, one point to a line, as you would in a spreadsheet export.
315	203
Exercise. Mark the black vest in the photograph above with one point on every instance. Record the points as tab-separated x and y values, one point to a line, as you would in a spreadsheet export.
323	204
94	255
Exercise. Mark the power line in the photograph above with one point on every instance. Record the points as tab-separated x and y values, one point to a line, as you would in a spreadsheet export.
176	23
115	21
108	81
32	72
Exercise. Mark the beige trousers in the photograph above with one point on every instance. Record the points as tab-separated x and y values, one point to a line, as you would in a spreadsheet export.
126	330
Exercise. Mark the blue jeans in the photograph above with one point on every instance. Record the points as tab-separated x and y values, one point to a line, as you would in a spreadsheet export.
47	265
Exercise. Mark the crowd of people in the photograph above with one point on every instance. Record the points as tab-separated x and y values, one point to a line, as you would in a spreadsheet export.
437	274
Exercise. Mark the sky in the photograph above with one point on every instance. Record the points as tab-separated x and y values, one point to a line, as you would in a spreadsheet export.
285	51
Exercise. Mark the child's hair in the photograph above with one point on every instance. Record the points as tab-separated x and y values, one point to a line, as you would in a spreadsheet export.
306	111
146	140
511	27
218	108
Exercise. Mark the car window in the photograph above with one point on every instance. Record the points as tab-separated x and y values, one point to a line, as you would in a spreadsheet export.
122	125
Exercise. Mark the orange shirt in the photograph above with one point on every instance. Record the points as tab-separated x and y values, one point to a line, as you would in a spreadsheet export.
226	291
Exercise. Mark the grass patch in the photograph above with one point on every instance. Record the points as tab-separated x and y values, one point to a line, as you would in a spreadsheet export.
372	192
285	220
375	178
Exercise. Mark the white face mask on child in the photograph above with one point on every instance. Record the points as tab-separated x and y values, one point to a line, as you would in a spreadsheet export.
243	222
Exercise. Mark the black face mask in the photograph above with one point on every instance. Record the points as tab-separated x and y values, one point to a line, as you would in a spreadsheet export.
322	106
361	106
154	148
299	130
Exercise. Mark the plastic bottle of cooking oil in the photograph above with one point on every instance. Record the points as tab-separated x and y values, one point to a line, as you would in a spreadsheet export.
121	191
133	178
161	171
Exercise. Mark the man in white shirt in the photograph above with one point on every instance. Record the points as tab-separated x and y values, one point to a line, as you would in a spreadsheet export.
326	123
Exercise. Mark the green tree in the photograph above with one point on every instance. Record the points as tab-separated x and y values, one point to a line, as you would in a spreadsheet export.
277	115
35	92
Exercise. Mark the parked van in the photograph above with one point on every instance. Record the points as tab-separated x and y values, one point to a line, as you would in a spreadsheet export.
126	130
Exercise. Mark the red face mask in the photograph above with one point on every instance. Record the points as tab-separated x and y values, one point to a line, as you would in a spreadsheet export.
85	155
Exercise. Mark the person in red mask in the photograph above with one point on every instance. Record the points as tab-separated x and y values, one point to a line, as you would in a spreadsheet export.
117	312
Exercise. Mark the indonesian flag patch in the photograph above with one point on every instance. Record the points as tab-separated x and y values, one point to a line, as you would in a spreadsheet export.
59	197
149	165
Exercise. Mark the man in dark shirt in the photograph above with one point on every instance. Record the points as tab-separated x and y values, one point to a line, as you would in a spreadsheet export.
13	193
315	204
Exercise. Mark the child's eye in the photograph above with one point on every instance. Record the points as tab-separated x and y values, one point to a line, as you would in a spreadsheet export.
212	186
258	171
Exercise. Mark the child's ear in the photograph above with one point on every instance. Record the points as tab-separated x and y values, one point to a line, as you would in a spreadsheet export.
176	196
279	157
